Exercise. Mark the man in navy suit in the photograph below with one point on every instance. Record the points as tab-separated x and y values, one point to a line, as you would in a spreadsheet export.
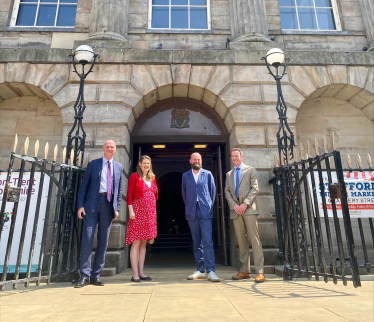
199	192
99	202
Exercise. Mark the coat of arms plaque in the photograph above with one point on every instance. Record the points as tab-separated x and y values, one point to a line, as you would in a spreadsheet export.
180	118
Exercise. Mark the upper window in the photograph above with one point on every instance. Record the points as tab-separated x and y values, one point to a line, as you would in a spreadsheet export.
308	14
179	14
46	13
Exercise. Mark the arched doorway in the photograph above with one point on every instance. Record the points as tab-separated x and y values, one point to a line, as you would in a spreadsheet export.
169	132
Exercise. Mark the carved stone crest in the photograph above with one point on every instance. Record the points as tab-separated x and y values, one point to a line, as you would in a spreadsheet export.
180	118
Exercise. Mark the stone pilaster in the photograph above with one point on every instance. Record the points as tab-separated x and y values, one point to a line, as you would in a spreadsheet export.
109	20
367	10
248	21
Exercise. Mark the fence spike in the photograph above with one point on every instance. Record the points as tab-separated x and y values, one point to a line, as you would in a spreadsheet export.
282	159
26	146
55	153
295	156
72	157
333	141
301	151
309	149
288	158
46	149
316	146
276	163
359	163
87	159
369	160
306	156
63	155
15	143
36	148
325	145
349	161
79	159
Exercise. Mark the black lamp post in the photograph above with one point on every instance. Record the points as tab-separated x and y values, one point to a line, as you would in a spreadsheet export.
276	63
82	55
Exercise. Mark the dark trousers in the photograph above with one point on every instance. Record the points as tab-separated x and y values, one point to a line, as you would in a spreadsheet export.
102	216
201	231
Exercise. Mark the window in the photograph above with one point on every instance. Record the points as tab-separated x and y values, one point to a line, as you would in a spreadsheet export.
179	14
46	13
308	14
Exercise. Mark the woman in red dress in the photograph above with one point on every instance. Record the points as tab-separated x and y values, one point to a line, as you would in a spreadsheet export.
141	200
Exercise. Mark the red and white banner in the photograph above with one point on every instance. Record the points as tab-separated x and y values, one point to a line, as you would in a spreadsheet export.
360	193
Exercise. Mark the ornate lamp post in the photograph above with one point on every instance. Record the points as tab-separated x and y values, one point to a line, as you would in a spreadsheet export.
276	63
82	55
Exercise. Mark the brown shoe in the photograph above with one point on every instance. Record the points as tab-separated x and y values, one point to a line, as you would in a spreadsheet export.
241	276
260	278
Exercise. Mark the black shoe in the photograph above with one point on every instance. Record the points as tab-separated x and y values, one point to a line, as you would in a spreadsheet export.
146	278
134	280
82	282
96	281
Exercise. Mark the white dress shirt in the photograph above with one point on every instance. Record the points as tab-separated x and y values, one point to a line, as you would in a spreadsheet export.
196	177
104	175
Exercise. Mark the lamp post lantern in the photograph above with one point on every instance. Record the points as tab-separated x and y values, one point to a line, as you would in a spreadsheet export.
83	55
276	63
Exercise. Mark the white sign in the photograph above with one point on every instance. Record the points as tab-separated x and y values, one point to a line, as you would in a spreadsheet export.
360	193
19	221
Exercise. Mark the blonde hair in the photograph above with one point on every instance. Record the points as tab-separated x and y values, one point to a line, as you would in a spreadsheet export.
150	175
237	149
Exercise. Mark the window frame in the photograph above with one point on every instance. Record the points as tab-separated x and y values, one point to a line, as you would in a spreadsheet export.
16	7
189	21
335	10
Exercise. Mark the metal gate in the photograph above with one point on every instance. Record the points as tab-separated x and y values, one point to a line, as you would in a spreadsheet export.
56	254
311	244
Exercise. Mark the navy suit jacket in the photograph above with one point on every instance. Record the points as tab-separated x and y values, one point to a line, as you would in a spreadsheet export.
90	186
204	191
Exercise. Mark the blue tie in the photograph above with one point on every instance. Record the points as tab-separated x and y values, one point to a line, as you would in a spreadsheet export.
237	182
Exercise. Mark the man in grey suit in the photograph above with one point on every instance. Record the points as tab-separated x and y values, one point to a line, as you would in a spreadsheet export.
241	191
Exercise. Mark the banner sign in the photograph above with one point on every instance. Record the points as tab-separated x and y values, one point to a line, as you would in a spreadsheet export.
360	193
19	221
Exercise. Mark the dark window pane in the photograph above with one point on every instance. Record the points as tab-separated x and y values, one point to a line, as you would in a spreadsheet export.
323	3
305	3
307	18
326	19
287	3
66	15
179	18
29	1
26	15
160	17
48	1
160	2
47	14
198	18
198	2
288	18
179	2
68	1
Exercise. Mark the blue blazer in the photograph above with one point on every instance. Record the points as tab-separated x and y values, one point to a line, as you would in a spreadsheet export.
90	186
204	191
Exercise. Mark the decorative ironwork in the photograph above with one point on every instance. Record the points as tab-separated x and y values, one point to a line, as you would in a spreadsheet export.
180	118
13	194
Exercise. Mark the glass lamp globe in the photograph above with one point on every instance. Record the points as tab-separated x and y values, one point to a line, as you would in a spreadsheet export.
84	54
275	56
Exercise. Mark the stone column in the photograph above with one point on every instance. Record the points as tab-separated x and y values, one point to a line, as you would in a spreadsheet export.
248	21
367	10
109	20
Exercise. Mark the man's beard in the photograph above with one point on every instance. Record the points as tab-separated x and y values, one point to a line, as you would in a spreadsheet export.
196	166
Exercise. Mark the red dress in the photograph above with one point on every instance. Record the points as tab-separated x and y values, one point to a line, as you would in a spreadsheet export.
144	226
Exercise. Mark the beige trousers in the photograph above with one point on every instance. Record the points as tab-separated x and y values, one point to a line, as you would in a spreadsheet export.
246	228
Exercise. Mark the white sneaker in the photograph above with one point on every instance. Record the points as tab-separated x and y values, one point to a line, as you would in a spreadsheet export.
197	276
213	277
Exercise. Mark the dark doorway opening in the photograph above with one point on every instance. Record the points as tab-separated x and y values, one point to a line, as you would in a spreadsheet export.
173	246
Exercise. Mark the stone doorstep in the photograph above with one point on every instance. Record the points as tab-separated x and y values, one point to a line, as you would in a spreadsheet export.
267	270
108	271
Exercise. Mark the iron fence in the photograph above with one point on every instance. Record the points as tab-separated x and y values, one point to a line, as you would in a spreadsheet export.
39	228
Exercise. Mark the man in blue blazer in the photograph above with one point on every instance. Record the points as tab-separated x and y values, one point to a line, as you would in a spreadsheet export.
99	202
199	192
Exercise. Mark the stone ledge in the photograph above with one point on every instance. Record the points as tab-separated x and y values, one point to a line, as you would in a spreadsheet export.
218	57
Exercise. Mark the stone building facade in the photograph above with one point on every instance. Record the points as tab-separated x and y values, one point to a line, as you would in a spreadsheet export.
329	86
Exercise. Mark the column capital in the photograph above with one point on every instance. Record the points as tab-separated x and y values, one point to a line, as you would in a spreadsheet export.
367	11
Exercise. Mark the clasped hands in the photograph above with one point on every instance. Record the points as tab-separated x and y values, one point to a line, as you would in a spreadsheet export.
82	213
240	210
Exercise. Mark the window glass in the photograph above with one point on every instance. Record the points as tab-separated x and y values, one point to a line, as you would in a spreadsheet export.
46	15
49	1
160	17
323	3
179	2
287	3
26	15
326	19
179	18
160	2
198	2
307	18
198	18
305	3
29	1
66	15
288	18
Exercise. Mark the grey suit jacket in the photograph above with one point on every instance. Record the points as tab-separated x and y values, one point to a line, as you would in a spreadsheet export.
248	190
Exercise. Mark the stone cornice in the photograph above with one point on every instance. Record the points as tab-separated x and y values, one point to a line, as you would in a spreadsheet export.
214	57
